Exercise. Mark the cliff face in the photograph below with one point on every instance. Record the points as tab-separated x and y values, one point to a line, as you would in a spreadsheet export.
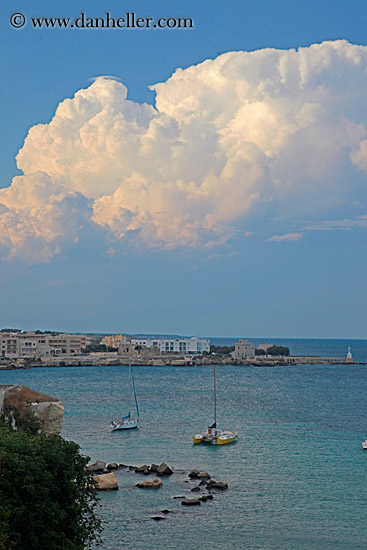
21	400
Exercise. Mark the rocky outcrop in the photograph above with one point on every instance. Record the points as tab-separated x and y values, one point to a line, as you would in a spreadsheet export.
154	483
164	470
51	416
98	466
21	401
106	482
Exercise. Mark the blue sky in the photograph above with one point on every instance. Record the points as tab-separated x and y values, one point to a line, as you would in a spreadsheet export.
234	204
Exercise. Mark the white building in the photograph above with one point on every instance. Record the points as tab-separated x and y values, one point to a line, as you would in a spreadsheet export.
243	349
174	345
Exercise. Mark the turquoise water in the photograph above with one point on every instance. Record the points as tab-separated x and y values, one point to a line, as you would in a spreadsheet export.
296	475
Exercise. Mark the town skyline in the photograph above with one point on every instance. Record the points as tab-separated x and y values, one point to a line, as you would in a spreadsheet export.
207	181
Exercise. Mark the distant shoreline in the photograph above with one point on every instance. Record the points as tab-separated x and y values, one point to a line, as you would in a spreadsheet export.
171	361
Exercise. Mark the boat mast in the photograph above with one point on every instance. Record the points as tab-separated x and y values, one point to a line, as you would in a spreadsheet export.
129	386
215	399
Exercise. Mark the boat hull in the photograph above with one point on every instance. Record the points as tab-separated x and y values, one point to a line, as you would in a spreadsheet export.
222	439
124	425
364	444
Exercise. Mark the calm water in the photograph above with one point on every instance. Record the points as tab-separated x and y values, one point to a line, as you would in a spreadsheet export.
296	475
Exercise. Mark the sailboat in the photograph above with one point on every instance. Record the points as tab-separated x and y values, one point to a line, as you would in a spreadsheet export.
127	422
212	435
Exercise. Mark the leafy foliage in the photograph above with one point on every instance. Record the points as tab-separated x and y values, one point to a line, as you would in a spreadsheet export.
47	496
278	350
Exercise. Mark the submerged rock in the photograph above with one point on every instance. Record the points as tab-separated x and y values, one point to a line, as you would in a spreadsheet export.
204	498
217	485
106	482
195	489
203	475
158	518
194	474
190	502
112	466
155	483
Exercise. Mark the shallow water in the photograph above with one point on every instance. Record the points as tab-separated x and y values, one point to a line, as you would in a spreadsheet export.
296	475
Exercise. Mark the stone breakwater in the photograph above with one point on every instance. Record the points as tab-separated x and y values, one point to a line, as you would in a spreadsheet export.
198	482
174	360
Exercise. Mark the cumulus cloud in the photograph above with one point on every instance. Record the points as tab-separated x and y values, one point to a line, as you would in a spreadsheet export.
223	137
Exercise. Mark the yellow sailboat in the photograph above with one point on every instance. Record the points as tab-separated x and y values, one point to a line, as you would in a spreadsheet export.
213	435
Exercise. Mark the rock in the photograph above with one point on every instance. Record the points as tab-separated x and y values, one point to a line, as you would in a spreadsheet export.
51	416
203	482
164	470
142	469
133	468
216	485
165	511
112	466
203	475
154	468
98	466
146	472
155	483
106	482
190	502
204	498
178	497
158	518
123	466
18	400
195	489
194	474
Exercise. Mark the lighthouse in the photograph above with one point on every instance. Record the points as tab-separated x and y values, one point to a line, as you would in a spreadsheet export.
349	354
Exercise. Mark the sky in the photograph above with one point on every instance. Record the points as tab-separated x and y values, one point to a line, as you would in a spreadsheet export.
205	181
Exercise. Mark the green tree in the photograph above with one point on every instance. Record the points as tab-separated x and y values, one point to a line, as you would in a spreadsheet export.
47	498
278	350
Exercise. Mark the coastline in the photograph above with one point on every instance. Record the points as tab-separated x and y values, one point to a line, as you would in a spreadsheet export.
171	361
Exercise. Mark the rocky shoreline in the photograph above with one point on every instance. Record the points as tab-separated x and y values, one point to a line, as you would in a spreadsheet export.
199	482
170	361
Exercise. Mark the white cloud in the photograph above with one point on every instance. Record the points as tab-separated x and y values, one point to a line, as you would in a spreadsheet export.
286	237
337	225
224	136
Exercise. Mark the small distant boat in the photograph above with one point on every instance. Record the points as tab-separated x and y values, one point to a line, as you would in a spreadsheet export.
127	422
364	444
212	435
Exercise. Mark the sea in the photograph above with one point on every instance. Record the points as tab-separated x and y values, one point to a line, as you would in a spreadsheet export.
296	476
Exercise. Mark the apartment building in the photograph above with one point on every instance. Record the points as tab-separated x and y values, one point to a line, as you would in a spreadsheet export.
243	349
112	341
30	344
174	345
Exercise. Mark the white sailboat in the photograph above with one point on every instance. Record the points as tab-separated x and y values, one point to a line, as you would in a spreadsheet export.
213	435
127	422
